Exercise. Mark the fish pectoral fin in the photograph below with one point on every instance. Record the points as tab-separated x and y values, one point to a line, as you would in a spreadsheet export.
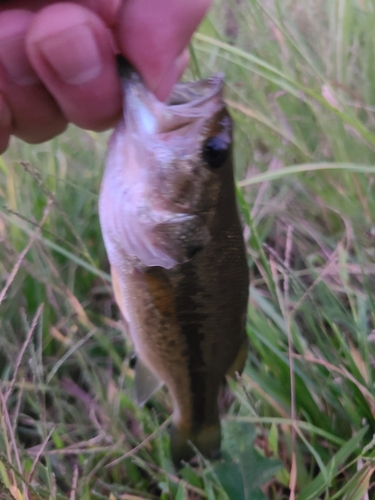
118	293
146	382
182	236
239	363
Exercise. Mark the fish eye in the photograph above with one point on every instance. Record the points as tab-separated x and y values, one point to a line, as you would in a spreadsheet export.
215	151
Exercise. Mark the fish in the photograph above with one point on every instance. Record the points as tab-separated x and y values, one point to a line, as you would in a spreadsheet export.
173	236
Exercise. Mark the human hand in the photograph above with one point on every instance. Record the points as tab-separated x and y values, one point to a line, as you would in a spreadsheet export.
57	61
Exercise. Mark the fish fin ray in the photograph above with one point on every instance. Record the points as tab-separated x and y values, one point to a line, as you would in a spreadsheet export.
146	383
118	293
171	235
239	363
207	440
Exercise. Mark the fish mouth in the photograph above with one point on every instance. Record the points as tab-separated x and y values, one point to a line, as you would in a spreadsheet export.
188	104
189	97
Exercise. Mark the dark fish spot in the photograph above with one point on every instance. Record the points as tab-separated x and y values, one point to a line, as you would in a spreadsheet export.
192	250
185	353
191	319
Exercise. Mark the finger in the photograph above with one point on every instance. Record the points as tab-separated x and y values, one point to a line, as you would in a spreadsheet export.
106	9
5	124
28	110
153	34
71	50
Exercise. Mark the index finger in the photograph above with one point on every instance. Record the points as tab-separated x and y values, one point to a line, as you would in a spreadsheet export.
152	35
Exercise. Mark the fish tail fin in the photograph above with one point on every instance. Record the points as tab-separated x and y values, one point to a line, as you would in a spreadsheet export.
239	363
207	440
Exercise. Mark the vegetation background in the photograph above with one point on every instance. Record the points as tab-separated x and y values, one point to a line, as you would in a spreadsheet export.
301	88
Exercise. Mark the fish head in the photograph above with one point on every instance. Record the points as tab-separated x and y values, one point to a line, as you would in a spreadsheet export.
166	168
181	144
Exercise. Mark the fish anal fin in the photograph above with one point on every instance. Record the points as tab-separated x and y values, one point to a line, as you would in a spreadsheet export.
146	382
239	363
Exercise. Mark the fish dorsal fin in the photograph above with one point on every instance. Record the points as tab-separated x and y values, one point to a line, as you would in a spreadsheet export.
146	382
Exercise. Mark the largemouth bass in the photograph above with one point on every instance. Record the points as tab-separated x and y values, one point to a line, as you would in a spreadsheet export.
174	240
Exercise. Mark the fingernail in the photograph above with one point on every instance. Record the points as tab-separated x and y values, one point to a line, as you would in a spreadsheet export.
73	53
14	59
172	76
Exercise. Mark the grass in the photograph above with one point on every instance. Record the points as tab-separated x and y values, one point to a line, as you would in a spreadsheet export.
300	86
